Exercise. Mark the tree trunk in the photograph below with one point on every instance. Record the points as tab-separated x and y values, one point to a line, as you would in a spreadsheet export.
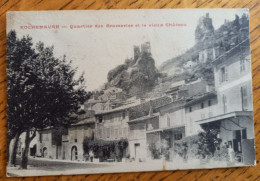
14	152
28	140
8	149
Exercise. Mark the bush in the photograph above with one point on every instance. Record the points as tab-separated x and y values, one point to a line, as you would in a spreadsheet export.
156	154
221	154
106	149
203	145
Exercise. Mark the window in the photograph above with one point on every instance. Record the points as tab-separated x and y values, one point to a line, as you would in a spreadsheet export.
40	137
237	141
230	145
223	74
202	105
75	135
76	140
190	109
120	132
100	133
108	132
116	133
177	136
123	115
112	117
244	134
224	99
112	133
100	119
104	133
168	120
242	65
191	125
209	103
125	132
244	98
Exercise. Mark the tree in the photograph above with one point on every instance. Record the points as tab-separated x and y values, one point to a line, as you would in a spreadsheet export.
208	140
18	52
43	90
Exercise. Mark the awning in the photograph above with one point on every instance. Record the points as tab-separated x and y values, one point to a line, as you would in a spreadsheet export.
226	116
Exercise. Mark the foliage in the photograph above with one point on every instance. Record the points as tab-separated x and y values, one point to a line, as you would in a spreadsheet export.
223	39
187	147
204	145
155	151
201	70
42	90
105	149
208	141
221	154
18	53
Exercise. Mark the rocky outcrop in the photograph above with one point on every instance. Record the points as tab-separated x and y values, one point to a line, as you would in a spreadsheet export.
137	75
204	29
210	43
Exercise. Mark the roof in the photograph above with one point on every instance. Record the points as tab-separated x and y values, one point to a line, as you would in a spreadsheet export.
165	129
85	121
197	98
144	118
226	116
125	107
173	102
118	109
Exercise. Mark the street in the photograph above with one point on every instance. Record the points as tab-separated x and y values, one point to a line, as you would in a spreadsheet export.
49	164
41	166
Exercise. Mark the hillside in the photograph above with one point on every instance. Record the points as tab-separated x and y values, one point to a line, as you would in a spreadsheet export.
210	43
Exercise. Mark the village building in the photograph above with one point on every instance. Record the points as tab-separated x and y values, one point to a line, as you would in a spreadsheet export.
112	126
143	118
32	146
72	142
151	134
66	143
200	104
49	143
197	108
168	128
234	116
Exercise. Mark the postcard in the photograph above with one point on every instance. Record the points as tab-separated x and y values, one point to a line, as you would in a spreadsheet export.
105	91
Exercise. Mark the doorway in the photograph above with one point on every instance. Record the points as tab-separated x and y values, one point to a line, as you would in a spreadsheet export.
74	153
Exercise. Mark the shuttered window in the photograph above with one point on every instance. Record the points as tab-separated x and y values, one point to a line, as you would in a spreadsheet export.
224	103
244	97
242	65
223	74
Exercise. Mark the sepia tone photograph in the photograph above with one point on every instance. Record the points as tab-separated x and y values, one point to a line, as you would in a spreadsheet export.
128	90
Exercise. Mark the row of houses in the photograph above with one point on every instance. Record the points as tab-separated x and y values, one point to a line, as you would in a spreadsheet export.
183	111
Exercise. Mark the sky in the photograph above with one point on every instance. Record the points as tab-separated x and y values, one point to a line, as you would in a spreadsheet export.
98	50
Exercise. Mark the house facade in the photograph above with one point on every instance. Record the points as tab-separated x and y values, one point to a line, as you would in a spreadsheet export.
199	107
65	143
153	126
72	140
234	116
163	132
49	143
